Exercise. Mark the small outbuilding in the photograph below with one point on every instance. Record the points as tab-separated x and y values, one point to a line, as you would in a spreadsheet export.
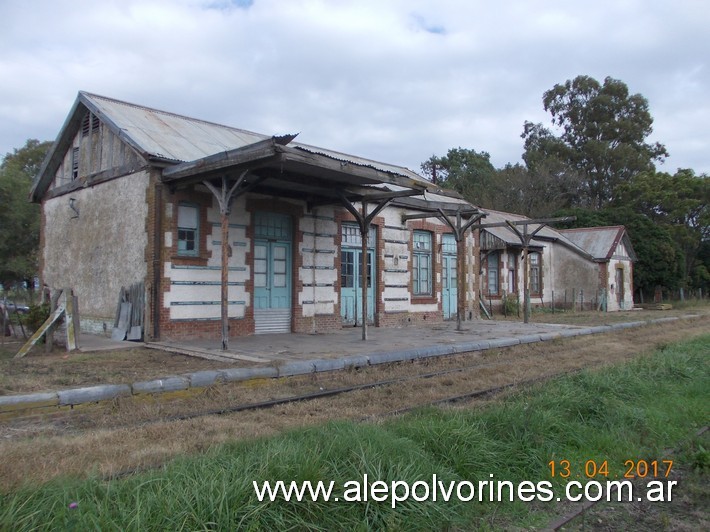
610	247
590	268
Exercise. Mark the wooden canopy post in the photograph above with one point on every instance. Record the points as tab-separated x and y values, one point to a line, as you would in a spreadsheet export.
364	221
224	196
525	239
364	231
459	229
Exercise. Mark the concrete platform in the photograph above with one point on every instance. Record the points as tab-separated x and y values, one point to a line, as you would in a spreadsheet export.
270	348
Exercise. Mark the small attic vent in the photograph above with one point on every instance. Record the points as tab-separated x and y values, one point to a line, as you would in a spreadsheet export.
75	163
89	124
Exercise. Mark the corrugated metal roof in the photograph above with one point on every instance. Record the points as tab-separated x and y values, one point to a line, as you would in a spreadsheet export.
180	138
344	157
599	242
507	236
168	135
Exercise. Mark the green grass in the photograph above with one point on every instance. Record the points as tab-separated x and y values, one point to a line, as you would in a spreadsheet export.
631	411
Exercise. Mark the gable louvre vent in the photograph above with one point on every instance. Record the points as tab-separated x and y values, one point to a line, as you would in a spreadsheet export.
75	163
89	124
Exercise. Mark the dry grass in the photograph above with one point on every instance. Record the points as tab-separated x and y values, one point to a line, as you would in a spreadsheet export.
40	372
96	440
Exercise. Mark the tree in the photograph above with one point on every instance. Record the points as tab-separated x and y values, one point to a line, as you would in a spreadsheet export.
466	171
603	132
534	192
681	203
19	219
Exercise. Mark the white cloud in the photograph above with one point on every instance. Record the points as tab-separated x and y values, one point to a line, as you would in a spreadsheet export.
395	81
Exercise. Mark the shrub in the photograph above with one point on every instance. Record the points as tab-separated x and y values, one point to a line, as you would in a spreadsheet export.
37	315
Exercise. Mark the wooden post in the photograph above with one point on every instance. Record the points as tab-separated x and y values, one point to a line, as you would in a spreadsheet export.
364	220
574	299
224	300
364	230
4	323
526	290
460	272
224	196
49	337
69	319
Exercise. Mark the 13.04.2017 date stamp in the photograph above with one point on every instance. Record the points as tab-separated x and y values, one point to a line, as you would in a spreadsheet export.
593	469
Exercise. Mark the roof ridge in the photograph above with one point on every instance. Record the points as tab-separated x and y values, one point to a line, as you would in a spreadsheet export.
593	228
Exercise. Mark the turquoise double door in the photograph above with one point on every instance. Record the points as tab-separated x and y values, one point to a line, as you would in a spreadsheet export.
272	273
351	286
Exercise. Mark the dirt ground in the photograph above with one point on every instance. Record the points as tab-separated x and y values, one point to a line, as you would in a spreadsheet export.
59	370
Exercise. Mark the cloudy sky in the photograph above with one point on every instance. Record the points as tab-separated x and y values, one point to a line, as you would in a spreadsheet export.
391	80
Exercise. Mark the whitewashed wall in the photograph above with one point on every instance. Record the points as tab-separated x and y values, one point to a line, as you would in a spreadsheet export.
195	291
100	249
317	272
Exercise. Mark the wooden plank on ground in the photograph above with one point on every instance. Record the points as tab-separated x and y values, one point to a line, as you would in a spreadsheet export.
69	320
135	333
39	332
124	319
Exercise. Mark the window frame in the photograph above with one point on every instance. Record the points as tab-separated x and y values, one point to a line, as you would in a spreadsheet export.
418	255
535	278
489	273
196	231
512	273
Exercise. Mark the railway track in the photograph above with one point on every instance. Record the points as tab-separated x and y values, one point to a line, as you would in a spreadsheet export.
82	419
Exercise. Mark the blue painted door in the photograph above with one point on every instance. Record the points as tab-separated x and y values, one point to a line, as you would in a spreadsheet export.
272	273
351	287
449	285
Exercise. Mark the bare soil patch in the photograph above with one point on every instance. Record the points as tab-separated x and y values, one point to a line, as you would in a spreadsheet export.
134	433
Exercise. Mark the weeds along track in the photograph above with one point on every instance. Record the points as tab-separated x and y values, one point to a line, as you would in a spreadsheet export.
466	375
324	393
132	434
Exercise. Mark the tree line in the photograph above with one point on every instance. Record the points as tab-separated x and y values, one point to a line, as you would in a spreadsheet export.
595	163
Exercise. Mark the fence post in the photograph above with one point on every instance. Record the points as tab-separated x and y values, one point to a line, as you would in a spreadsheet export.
574	299
517	299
